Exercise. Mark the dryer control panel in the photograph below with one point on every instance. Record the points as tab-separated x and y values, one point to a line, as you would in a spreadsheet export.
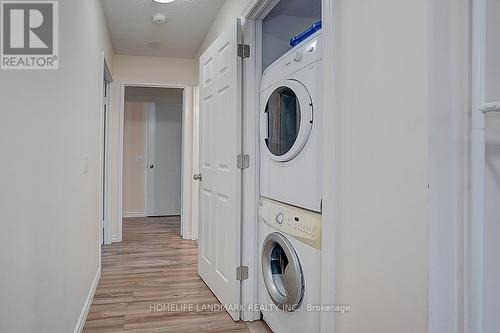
305	54
303	225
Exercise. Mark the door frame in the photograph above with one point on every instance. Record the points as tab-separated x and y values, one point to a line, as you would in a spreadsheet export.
329	203
186	155
105	230
474	230
252	16
196	162
146	157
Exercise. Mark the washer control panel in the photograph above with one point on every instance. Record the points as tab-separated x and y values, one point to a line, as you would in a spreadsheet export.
304	225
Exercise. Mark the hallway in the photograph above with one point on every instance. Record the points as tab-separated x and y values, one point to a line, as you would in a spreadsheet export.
299	166
154	266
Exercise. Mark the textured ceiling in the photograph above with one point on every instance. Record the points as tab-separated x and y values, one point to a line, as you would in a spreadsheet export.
133	32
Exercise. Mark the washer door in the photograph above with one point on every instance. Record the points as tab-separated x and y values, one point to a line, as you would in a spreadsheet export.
286	120
282	272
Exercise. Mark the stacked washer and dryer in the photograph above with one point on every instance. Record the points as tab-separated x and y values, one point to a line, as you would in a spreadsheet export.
291	189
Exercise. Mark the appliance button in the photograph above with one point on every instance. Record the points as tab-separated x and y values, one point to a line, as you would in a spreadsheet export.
298	56
279	218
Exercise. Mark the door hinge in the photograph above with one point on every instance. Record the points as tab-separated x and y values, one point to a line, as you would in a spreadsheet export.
241	273
243	50
243	161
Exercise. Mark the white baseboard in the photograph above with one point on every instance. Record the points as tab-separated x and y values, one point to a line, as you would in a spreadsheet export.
133	214
88	302
187	235
116	238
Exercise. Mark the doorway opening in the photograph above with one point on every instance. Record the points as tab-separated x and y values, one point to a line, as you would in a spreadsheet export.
152	152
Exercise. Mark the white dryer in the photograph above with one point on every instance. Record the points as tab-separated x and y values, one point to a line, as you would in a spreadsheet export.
290	123
289	284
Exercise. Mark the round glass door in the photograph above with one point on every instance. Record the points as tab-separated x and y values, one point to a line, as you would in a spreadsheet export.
283	113
282	272
287	120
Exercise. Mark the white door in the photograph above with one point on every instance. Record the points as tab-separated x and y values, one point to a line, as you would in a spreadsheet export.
164	143
220	185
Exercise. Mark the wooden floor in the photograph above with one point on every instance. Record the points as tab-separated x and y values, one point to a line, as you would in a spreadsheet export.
151	267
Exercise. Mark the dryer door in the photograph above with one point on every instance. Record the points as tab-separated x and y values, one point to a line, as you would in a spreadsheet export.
286	119
282	272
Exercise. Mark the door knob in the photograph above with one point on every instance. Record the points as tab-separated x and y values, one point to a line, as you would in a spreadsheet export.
151	166
197	176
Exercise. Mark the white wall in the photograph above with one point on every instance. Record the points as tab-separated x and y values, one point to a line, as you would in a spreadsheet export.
492	176
153	71
401	109
49	244
134	158
154	95
228	14
449	91
492	226
382	231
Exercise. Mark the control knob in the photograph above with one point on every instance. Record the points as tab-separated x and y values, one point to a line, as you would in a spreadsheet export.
298	56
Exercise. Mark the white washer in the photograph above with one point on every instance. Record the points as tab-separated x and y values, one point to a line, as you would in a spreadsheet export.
290	243
290	123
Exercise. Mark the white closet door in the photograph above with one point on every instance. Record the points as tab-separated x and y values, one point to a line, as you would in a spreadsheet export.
220	185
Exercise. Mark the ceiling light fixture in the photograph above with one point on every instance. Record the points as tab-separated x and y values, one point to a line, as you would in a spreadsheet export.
163	1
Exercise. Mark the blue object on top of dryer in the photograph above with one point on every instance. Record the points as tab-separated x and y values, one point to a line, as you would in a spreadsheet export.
305	34
290	127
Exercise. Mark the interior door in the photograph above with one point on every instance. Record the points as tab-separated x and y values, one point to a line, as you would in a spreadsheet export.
164	143
220	184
